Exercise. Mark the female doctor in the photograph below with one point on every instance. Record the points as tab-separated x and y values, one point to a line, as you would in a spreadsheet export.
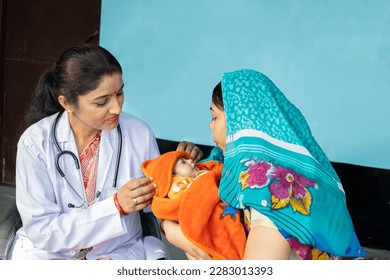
79	184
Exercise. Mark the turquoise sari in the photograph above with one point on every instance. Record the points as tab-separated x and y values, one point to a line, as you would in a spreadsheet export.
273	164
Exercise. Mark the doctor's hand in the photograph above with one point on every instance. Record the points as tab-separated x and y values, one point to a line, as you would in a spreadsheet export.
136	194
190	148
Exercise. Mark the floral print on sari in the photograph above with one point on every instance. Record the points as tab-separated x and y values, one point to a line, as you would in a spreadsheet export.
286	187
308	252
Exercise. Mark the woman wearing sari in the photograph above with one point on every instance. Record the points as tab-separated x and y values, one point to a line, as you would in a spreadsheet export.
294	202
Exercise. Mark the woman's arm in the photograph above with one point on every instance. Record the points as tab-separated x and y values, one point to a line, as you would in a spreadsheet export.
266	243
175	236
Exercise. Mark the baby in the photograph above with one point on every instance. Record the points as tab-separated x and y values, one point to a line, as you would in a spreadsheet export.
185	171
187	192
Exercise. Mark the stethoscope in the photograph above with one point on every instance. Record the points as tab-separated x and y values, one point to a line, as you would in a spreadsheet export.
77	164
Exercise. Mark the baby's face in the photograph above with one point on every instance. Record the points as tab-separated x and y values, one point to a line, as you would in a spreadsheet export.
185	168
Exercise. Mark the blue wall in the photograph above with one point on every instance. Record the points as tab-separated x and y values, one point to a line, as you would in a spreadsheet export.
331	58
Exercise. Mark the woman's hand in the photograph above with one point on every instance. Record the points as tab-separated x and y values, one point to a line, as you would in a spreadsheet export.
175	236
136	194
190	148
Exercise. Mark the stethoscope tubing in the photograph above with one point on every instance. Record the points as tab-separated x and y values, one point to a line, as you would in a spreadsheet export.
77	164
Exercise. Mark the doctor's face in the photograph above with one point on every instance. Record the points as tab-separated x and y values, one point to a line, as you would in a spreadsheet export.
100	108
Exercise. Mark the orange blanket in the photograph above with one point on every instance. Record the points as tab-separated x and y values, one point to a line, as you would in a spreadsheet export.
205	220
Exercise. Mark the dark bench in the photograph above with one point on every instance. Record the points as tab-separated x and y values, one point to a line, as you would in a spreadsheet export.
9	219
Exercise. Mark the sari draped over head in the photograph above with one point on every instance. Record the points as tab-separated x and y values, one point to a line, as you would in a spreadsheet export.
273	164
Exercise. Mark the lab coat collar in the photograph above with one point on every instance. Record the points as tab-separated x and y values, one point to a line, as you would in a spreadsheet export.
64	132
107	160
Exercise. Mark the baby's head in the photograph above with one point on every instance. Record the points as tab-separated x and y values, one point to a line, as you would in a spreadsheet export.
168	164
162	169
185	167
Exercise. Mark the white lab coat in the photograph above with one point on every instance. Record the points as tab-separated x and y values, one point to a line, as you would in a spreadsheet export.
51	229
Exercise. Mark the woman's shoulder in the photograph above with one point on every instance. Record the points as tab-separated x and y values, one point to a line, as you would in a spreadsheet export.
38	130
138	134
131	122
37	136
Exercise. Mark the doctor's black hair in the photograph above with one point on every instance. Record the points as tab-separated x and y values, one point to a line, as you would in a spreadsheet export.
78	71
